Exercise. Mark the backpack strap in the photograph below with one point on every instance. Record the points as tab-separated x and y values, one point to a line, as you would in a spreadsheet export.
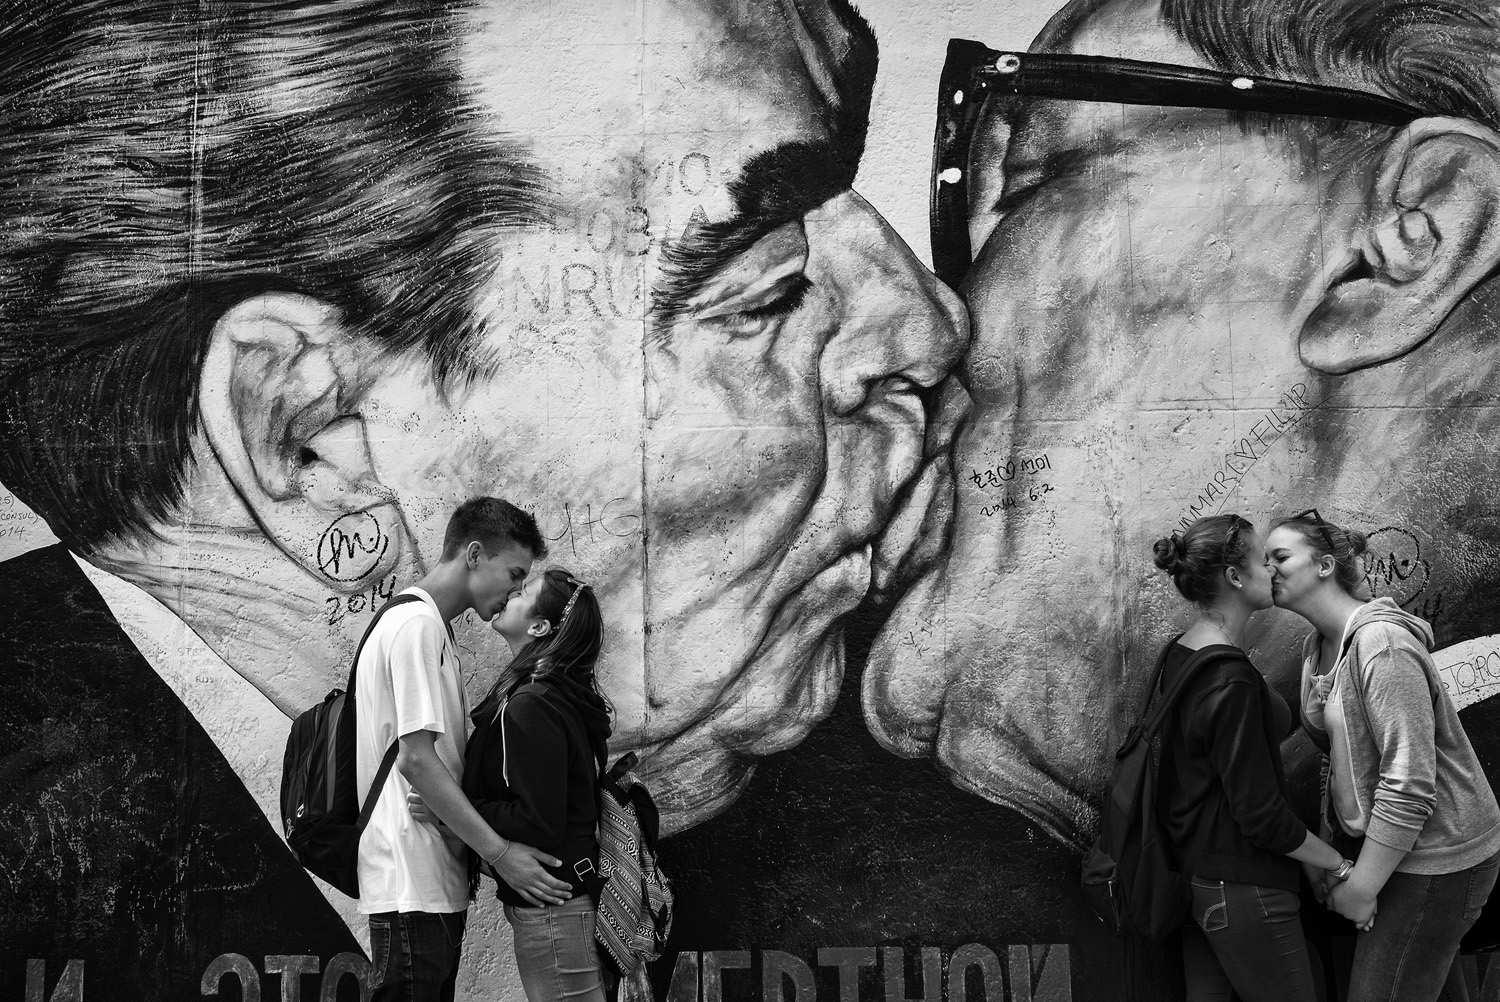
1156	713
384	772
1199	658
359	648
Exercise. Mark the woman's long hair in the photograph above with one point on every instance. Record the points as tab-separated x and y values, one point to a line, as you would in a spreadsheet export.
571	648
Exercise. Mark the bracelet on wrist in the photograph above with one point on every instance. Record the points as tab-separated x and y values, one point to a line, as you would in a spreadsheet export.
1342	871
500	854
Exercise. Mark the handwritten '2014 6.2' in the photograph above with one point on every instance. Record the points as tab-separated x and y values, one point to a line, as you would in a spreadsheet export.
1000	476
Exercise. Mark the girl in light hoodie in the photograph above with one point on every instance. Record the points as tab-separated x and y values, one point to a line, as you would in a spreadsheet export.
1404	794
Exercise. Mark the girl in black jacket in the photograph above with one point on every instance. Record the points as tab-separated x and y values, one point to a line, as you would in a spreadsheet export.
1222	797
532	770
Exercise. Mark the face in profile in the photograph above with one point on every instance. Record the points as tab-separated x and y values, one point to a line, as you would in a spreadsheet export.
1171	312
707	365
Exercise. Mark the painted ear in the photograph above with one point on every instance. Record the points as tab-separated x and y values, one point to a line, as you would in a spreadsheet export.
1429	237
838	51
277	399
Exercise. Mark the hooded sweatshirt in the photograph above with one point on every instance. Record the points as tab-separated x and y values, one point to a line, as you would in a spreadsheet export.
532	771
1405	766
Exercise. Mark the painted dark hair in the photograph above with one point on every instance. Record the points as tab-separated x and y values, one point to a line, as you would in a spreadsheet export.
1196	557
1440	55
571	649
1345	546
161	162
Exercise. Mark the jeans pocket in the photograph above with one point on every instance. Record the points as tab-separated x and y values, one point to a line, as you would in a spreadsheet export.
1481	883
533	915
380	948
1210	910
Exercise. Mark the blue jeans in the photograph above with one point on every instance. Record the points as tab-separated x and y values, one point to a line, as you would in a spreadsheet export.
1245	942
414	955
555	952
1418	923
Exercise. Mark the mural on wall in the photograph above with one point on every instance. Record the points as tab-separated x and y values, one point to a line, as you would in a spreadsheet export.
282	283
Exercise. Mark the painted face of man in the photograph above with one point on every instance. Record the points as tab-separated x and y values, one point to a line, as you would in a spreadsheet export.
1159	299
709	367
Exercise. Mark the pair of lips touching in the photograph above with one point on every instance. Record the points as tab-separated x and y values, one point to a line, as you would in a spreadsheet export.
790	678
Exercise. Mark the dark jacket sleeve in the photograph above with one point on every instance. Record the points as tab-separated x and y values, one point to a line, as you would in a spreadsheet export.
1229	721
536	767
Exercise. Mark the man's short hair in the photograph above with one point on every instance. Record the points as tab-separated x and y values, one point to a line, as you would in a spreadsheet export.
160	162
493	523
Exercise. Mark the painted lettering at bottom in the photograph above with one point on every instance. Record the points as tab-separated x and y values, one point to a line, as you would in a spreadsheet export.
289	968
971	973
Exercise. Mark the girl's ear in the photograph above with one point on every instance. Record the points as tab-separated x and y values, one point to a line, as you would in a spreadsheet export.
539	628
1232	575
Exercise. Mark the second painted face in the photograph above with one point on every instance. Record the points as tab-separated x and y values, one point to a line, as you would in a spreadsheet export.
1142	279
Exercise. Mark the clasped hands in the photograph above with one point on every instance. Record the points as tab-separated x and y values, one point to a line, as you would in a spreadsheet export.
1346	895
518	865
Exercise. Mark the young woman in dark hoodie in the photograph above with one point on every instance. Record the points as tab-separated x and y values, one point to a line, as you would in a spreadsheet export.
1222	797
532	771
1404	793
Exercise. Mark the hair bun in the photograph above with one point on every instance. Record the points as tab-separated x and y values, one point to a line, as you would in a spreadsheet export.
1168	552
1358	542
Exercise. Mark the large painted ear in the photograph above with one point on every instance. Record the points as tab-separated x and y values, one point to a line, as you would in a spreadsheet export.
839	51
278	400
1430	235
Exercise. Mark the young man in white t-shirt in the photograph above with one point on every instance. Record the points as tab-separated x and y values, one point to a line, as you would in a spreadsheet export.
413	877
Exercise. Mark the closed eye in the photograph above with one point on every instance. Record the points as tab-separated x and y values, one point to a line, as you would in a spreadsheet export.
1024	180
787	302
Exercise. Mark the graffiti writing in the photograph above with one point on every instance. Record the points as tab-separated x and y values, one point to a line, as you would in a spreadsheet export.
1003	473
1014	499
339	606
611	521
575	289
352	546
1394	566
1251	448
1476	672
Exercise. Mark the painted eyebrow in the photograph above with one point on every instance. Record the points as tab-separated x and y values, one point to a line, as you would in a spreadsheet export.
776	187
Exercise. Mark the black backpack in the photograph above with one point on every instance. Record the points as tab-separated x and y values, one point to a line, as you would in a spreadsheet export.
1128	877
320	811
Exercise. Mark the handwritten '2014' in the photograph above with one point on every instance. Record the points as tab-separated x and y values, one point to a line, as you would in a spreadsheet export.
1033	492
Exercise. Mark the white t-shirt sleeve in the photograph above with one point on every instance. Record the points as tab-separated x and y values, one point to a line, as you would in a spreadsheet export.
415	654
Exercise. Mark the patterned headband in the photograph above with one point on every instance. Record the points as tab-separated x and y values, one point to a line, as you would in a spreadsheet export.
578	586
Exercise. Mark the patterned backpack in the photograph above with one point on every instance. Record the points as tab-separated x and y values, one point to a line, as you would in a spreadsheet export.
634	914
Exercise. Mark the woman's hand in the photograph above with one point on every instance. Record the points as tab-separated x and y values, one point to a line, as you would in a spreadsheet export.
1318	878
422	812
1351	900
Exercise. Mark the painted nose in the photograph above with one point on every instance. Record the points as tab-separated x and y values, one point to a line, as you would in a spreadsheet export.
901	329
